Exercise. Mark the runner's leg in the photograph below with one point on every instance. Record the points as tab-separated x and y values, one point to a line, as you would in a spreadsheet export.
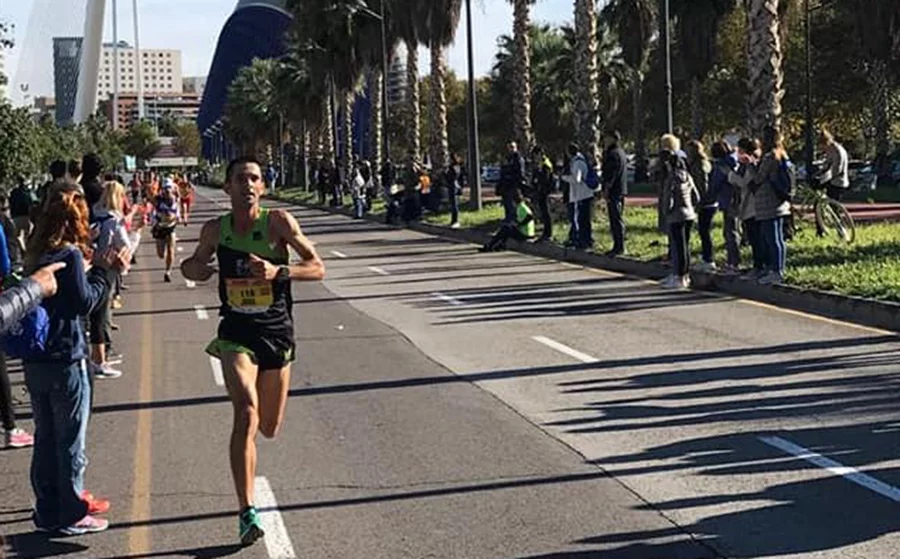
170	252
241	380
272	388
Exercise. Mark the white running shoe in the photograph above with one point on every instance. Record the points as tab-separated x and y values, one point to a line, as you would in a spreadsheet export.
106	371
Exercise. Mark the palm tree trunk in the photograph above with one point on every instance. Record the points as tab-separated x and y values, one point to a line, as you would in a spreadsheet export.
522	92
586	113
440	144
697	107
376	130
765	65
412	103
640	139
881	99
347	114
302	155
328	130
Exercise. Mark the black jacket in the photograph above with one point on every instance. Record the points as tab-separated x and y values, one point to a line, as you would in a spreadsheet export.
17	301
615	165
512	174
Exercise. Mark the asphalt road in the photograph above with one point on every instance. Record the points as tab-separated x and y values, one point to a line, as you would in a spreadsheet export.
450	404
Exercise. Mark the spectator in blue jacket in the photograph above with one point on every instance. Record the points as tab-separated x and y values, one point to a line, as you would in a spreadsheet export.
723	192
57	379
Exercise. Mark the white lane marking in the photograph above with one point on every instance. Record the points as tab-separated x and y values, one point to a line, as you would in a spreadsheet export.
338	254
850	474
202	314
278	543
447	299
379	271
217	371
583	357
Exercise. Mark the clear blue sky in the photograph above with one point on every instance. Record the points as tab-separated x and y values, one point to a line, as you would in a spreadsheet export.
193	26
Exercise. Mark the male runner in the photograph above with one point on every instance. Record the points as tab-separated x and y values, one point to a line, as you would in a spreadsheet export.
256	334
165	212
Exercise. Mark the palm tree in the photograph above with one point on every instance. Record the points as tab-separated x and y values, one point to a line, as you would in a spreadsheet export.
878	25
408	20
698	23
443	19
587	122
635	23
766	32
522	88
249	112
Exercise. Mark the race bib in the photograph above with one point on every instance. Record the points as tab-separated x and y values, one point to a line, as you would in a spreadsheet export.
251	295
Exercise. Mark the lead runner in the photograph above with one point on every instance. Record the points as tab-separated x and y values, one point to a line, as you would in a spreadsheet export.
255	340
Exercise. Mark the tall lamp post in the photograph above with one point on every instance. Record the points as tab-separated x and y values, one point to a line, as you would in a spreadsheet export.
667	39
474	155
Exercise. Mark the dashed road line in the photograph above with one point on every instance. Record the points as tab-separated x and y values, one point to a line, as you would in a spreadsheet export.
338	254
379	271
850	474
447	299
202	313
278	542
583	357
216	366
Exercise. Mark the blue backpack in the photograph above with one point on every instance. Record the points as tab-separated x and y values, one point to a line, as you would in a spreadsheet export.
593	178
28	337
785	181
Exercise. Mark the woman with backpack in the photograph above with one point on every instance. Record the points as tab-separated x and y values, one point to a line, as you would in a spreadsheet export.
680	197
57	377
773	187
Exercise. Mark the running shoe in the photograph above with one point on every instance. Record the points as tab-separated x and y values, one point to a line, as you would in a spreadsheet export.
95	505
17	438
106	371
87	525
249	526
168	277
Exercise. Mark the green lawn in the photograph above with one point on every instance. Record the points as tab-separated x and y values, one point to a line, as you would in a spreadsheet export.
868	268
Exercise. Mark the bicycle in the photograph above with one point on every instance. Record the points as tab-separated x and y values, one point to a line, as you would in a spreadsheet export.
830	215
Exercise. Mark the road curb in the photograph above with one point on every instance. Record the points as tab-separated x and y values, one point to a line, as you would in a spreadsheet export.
859	310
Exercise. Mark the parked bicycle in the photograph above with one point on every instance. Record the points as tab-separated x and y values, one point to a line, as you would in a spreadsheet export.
831	217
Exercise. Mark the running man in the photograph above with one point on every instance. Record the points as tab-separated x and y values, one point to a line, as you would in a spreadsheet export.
256	334
165	212
185	198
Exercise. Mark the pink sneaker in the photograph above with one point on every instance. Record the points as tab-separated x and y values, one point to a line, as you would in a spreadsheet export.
18	438
87	525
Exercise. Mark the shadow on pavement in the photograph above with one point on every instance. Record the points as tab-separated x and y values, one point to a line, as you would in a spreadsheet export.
211	552
31	545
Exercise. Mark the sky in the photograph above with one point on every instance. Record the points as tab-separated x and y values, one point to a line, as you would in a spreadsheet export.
193	26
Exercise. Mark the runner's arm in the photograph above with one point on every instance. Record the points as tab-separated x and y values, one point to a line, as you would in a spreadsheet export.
197	267
312	268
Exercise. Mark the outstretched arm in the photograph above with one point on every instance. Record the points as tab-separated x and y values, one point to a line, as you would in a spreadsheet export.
311	268
197	267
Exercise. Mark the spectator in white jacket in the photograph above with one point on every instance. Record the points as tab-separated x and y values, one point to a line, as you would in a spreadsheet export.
581	200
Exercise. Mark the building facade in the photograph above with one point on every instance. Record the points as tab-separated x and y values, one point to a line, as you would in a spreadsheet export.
397	81
160	70
179	106
66	67
194	84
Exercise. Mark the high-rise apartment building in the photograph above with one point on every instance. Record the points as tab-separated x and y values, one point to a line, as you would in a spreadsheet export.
160	70
66	67
194	84
396	78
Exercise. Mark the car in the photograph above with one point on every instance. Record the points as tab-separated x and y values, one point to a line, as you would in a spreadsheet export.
490	174
863	177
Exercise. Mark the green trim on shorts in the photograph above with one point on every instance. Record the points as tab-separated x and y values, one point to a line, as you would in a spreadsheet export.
219	346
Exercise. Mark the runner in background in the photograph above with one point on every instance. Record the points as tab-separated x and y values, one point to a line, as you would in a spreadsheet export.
165	219
185	197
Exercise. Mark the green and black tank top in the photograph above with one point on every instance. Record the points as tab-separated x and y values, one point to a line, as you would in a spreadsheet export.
259	303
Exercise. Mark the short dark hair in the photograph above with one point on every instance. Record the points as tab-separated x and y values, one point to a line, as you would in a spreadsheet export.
614	134
242	160
91	165
58	169
721	149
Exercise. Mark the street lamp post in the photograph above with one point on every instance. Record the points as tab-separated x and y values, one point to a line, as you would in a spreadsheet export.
474	155
810	134
667	39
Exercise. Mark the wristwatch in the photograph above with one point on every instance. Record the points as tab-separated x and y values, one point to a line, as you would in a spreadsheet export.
284	273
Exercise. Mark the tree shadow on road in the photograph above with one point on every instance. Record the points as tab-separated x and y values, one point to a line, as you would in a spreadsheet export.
32	545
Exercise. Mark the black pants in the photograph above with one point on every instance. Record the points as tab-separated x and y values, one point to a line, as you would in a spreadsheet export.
584	216
616	207
542	200
509	206
754	237
7	417
704	228
680	241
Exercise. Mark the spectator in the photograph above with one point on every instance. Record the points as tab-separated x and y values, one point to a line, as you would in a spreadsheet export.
615	188
679	198
723	193
512	178
13	248
748	161
522	230
772	207
700	167
581	200
358	191
542	185
58	171
57	380
92	169
412	199
22	201
393	192
73	170
454	179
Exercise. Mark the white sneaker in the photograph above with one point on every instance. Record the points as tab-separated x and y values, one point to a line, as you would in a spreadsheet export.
684	282
106	371
454	225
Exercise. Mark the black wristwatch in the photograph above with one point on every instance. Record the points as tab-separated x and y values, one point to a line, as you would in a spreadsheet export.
284	273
